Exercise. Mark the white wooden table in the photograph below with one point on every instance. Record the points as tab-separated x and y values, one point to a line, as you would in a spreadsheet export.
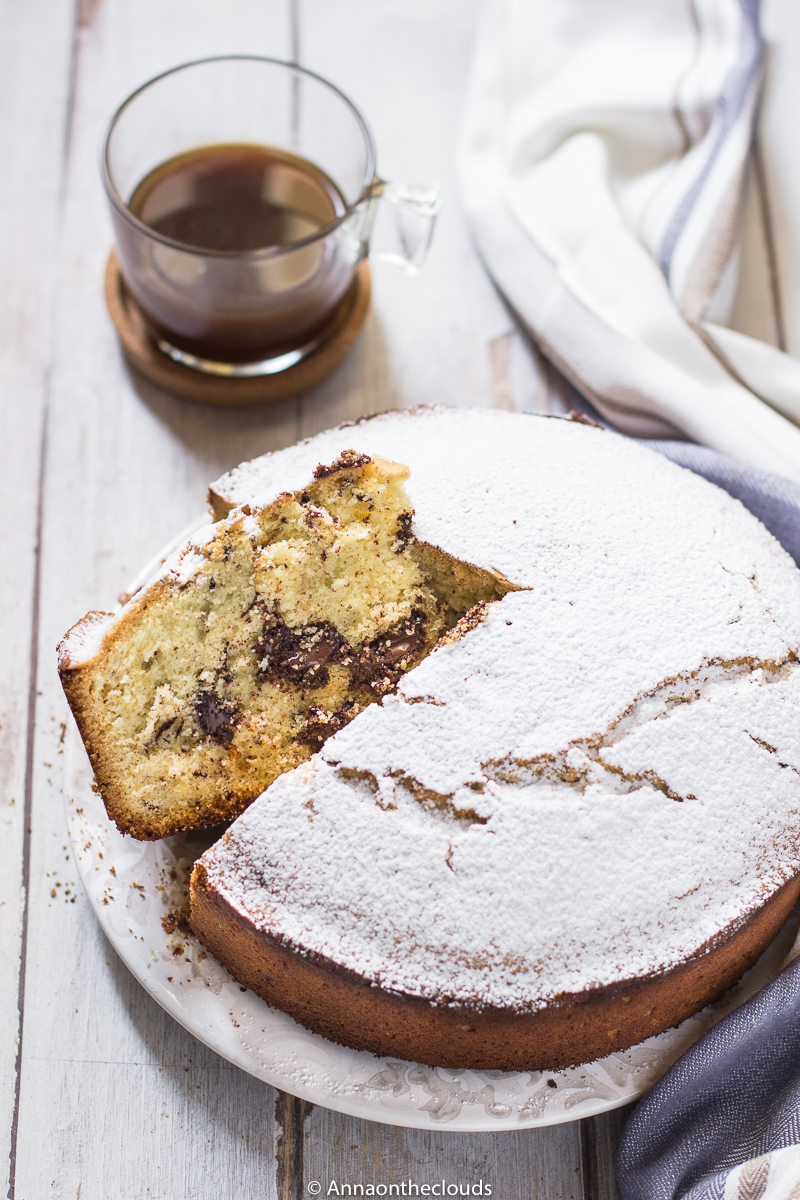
102	1094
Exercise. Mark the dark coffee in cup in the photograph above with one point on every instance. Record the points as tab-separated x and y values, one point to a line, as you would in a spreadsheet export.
234	199
242	192
237	197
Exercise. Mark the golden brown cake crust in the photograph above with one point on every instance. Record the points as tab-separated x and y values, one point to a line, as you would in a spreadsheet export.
287	621
78	681
576	1029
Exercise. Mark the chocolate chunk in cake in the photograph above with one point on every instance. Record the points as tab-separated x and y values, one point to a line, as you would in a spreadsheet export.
276	627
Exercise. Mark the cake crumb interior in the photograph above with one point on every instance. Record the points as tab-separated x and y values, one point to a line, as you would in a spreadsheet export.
301	614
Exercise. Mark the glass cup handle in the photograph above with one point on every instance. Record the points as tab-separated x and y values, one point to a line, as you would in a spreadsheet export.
416	206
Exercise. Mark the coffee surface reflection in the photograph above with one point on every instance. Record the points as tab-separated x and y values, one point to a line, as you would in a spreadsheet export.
249	270
236	198
243	192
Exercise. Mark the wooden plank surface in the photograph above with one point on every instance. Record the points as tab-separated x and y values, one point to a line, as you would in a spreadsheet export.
132	1105
35	57
525	1165
430	339
114	1099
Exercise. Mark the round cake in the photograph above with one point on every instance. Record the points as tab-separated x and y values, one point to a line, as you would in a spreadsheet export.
576	821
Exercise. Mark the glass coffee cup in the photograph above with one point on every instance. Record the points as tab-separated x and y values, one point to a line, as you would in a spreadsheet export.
243	193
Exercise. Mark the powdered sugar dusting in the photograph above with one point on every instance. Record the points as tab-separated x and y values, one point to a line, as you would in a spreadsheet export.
84	639
632	706
184	564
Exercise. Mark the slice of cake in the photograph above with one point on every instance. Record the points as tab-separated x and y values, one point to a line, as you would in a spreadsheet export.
261	638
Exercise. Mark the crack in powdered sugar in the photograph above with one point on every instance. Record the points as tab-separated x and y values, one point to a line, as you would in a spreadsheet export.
583	763
320	867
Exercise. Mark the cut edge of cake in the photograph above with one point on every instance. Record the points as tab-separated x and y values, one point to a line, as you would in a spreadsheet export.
262	636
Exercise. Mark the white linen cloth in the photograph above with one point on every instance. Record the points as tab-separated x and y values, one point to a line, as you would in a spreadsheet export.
604	152
774	1176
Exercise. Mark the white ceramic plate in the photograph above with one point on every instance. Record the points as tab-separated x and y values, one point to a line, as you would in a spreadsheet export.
135	888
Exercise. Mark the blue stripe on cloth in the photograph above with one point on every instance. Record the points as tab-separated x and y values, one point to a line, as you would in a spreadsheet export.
736	89
712	1188
733	1096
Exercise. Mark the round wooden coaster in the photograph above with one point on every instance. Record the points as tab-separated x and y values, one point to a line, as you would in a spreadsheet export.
141	352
